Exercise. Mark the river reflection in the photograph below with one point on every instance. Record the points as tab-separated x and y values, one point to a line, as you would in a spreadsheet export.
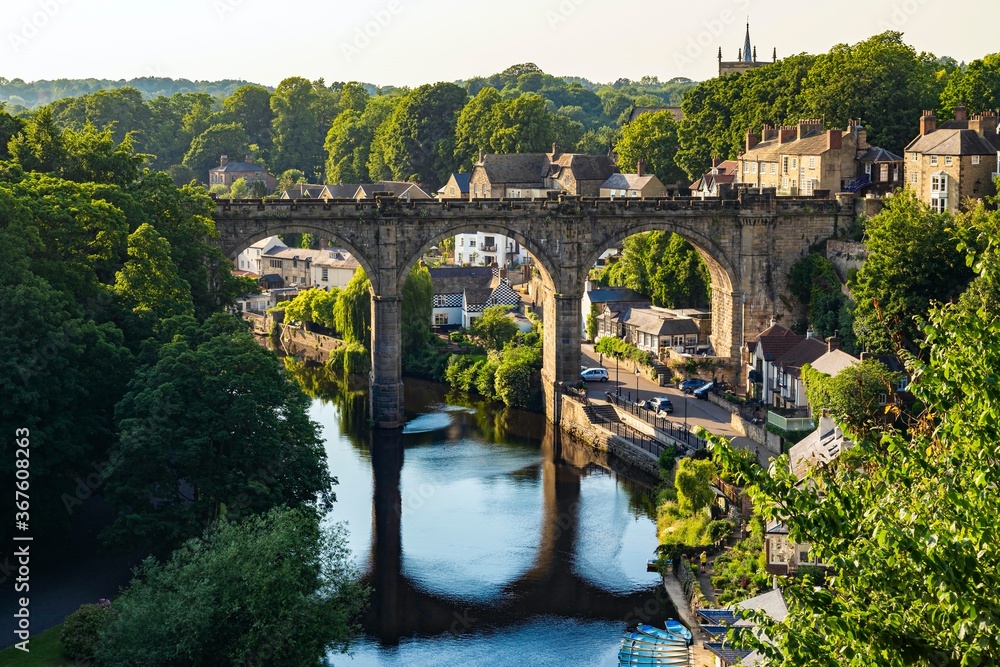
485	539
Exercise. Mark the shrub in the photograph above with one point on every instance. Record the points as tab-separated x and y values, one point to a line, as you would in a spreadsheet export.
82	628
719	530
667	459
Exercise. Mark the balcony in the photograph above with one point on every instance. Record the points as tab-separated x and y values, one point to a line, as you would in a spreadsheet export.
489	248
790	423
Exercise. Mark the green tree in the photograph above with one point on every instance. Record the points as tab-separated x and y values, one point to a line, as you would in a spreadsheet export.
212	427
10	127
122	111
354	97
228	139
353	312
315	306
907	523
592	321
977	87
652	138
168	138
149	283
522	125
494	329
92	156
855	397
250	108
881	80
693	481
912	262
39	147
475	125
276	589
663	266
418	309
239	189
418	141
298	126
517	380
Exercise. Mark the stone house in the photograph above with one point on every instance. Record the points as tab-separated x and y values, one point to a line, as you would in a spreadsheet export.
305	268
721	175
398	189
957	160
804	159
457	187
227	172
639	184
531	175
658	330
617	299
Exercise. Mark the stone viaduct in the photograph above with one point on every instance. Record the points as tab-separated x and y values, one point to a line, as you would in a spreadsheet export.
748	242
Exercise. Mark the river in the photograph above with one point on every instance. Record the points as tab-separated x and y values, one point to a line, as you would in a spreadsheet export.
481	543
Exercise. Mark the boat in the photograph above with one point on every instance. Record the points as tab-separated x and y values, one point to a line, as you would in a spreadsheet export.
652	653
674	661
678	628
652	645
657	633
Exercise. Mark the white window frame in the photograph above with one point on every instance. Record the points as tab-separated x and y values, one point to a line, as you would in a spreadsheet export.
934	160
774	168
975	160
947	161
812	163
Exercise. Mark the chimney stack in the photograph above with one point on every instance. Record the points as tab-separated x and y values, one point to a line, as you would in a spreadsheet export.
786	133
224	160
640	168
984	123
555	150
960	112
834	140
833	342
928	123
715	162
751	140
248	159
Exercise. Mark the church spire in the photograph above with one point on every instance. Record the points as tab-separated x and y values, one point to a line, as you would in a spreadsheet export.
747	49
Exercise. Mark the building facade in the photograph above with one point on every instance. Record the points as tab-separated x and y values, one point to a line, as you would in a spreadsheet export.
250	259
746	59
227	172
947	164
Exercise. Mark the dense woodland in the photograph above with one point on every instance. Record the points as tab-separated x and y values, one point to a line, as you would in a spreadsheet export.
120	360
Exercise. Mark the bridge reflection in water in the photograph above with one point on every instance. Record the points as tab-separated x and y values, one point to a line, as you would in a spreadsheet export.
554	583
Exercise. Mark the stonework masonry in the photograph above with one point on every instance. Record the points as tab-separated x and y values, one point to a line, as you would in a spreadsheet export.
749	243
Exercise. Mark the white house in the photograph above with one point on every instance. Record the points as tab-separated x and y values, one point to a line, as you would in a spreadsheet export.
488	249
249	259
333	267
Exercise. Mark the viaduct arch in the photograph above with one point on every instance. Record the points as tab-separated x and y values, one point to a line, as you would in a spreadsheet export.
749	243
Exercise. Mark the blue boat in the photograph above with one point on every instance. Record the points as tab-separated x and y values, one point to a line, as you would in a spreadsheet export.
652	645
657	633
677	628
670	661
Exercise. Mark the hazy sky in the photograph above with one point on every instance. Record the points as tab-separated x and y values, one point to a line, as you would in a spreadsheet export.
409	42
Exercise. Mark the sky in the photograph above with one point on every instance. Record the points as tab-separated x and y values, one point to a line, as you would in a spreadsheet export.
411	42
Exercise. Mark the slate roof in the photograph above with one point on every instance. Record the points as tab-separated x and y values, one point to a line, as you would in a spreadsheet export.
954	142
455	280
876	154
804	352
330	257
727	653
616	295
340	191
660	324
772	603
724	172
520	168
476	298
834	361
337	259
462	181
775	341
238	168
813	143
583	167
629	181
303	191
396	188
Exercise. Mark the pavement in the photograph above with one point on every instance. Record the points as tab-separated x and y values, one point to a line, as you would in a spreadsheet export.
687	409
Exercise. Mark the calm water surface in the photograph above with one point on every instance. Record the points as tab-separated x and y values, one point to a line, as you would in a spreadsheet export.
487	541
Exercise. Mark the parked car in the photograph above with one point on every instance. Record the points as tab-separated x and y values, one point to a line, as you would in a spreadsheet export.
662	404
689	385
594	375
702	391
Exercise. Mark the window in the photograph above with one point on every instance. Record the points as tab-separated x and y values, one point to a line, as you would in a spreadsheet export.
440	319
939	183
326	275
784	183
472	243
882	399
914	157
753	168
812	163
275	263
975	160
795	163
903	384
459	258
913	178
947	161
868	168
746	167
475	190
884	173
784	165
939	204
774	167
461	241
934	160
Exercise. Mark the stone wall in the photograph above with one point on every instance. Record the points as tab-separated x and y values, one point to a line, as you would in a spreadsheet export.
846	255
575	424
755	432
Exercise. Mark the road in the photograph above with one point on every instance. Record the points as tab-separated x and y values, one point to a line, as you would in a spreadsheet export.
698	412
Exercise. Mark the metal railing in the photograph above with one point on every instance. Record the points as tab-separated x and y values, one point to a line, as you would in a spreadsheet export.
673	429
635	437
790	423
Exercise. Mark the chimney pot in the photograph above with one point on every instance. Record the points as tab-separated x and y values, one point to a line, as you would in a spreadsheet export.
224	160
928	123
960	112
640	168
751	140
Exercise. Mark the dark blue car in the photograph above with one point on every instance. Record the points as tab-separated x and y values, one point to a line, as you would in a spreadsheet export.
690	385
702	392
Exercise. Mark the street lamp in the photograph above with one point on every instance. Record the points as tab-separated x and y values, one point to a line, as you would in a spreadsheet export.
618	387
687	436
636	384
